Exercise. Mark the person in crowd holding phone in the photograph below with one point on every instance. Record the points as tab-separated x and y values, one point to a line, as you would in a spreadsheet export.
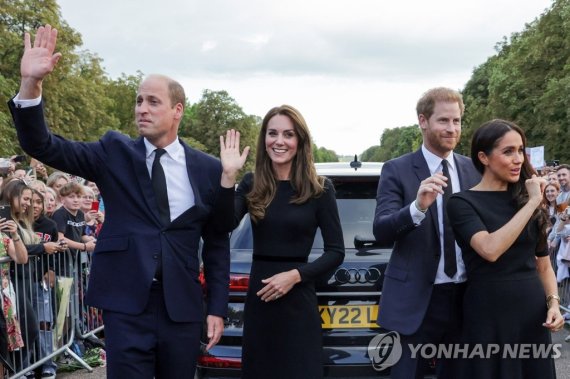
500	226
424	281
93	217
163	200
18	195
287	201
39	170
10	331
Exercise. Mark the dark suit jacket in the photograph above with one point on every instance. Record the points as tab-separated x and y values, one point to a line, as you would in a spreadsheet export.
411	272
132	237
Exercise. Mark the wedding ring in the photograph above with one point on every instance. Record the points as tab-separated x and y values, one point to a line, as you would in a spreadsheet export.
276	297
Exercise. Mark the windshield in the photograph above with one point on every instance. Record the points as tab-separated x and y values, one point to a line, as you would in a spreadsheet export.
356	217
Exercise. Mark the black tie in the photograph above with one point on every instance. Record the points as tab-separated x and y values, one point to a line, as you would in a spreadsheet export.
159	186
450	262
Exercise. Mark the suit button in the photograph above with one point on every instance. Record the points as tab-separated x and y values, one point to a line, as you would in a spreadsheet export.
155	256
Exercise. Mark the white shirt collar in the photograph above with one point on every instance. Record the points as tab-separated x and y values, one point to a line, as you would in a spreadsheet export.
434	162
174	150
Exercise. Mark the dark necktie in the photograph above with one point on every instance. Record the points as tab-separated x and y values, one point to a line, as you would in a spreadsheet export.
449	260
159	186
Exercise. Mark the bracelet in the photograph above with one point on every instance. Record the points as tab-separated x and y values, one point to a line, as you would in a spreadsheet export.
418	207
16	239
84	246
549	299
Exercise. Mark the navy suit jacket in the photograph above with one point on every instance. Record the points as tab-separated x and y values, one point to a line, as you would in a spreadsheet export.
132	238
411	272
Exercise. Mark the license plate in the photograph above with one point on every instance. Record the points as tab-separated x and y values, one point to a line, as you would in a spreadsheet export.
348	316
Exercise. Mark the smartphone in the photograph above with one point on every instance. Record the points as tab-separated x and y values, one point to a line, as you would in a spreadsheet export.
19	158
5	212
95	206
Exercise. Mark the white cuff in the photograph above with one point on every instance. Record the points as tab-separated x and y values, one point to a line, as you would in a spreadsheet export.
27	102
417	215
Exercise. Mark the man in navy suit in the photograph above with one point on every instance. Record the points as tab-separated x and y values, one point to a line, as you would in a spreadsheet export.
421	298
145	266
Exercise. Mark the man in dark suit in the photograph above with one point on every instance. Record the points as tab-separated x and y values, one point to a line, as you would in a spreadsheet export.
423	286
145	269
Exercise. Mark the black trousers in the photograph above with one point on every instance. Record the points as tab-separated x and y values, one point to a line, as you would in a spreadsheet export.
441	324
150	345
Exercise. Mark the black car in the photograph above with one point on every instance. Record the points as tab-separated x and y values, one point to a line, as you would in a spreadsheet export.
348	296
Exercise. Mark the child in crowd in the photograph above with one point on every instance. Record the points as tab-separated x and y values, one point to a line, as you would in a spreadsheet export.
70	219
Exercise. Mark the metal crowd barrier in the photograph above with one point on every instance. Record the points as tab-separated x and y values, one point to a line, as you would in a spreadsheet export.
51	316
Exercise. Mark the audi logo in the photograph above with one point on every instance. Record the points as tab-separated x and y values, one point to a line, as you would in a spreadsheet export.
357	275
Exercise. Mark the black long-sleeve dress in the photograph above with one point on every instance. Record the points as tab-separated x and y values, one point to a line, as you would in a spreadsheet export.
504	303
283	338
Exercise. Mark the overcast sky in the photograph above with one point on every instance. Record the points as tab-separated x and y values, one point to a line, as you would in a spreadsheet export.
352	67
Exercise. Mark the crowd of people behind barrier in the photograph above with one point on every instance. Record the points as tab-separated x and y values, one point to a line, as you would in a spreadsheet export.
53	224
49	225
556	197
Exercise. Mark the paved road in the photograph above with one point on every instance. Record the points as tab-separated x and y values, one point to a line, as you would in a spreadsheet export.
562	363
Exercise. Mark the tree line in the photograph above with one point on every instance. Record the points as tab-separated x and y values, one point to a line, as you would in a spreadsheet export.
82	102
527	81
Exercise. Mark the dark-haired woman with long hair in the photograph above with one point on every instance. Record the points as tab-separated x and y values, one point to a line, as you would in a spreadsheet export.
18	195
512	299
287	201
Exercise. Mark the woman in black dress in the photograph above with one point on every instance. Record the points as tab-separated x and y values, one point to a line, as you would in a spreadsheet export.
511	298
287	201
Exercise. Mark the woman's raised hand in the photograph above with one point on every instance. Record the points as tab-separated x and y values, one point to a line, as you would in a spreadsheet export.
535	186
232	160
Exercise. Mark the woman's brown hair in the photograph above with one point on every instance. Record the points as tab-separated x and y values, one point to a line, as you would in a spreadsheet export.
304	179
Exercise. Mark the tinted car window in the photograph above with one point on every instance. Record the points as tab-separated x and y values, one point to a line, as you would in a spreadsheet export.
356	203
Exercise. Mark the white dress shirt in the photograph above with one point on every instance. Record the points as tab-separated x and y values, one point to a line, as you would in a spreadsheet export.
435	166
180	193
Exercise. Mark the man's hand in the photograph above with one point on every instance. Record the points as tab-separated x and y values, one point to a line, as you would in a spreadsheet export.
429	189
215	329
37	61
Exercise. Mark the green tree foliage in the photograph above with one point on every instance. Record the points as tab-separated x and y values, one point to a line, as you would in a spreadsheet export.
82	102
393	143
122	93
528	82
321	154
214	114
75	99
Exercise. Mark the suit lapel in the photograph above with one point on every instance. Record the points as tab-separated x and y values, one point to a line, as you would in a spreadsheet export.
463	173
143	177
194	173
